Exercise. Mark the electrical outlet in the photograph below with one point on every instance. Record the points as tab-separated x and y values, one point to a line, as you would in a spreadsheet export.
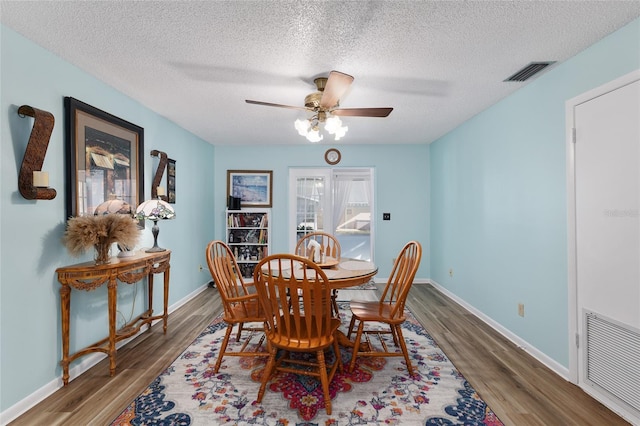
386	216
521	309
451	272
200	268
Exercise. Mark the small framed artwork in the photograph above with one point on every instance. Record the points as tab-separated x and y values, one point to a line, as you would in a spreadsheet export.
253	187
104	159
171	181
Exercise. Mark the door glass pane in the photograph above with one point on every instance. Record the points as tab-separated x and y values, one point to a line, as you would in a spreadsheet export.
309	205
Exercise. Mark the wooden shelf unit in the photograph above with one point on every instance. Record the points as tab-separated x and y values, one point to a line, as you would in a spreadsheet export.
248	236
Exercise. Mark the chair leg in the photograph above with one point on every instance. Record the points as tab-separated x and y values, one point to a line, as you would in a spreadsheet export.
351	324
266	374
338	354
403	346
324	379
394	335
223	347
240	328
334	303
356	346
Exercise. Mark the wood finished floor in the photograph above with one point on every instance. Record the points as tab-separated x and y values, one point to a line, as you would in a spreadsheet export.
519	389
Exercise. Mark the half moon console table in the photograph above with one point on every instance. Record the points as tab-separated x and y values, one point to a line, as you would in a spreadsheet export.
89	276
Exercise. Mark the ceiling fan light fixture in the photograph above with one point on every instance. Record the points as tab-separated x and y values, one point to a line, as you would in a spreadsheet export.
302	126
334	126
340	132
314	135
323	104
310	128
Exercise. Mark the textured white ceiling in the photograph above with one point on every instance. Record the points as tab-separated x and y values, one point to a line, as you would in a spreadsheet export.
437	63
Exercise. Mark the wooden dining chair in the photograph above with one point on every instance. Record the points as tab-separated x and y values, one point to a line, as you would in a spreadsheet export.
241	306
389	310
295	325
329	246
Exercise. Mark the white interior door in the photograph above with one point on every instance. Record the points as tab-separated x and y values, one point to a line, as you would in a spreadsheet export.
607	195
607	244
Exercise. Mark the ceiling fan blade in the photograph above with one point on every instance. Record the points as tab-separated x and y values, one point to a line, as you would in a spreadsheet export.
249	101
337	84
362	112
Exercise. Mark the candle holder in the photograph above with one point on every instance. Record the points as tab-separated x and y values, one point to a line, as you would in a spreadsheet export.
162	165
33	184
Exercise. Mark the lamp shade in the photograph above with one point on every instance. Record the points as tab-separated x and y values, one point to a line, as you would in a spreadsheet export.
302	126
314	135
155	210
113	206
332	124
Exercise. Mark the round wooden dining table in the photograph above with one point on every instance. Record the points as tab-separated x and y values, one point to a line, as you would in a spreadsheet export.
347	272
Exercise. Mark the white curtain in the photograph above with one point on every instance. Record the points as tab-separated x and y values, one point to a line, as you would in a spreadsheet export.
341	192
344	183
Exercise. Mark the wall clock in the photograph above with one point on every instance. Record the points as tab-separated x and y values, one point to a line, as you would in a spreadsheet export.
332	156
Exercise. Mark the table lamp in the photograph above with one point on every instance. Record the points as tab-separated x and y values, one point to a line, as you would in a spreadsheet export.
155	210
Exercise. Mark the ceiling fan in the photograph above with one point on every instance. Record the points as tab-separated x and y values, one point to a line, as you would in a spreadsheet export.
324	104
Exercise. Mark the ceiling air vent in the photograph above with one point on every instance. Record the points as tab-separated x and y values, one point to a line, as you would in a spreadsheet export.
529	71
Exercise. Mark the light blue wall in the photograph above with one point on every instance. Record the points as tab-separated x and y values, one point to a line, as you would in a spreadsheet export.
30	231
498	198
402	186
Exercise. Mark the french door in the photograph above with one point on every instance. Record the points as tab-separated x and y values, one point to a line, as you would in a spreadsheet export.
335	201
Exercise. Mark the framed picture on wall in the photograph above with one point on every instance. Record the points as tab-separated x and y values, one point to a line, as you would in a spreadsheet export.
104	159
171	181
253	187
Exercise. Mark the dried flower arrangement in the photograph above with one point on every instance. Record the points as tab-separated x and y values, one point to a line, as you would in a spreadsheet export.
99	232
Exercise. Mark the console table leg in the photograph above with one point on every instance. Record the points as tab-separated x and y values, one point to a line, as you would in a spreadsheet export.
165	314
112	299
65	302
150	301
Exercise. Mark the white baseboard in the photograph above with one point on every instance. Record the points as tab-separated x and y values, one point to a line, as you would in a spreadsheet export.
379	280
85	364
556	367
626	412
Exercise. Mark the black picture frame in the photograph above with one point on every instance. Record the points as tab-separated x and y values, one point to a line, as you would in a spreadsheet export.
171	181
105	159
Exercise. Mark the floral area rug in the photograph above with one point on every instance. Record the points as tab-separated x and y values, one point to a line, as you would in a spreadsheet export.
378	392
367	286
